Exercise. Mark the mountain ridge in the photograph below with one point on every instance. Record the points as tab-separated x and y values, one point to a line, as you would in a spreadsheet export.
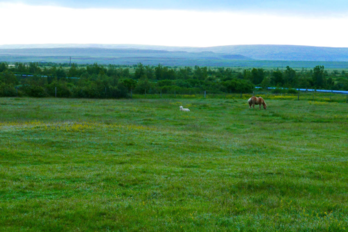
257	52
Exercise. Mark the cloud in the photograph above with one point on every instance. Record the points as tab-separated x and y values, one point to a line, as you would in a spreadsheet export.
59	25
302	7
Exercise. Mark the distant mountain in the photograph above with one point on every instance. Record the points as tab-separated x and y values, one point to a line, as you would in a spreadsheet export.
258	52
118	53
117	56
283	52
224	56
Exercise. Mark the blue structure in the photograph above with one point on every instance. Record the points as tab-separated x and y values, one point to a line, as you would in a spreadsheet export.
313	90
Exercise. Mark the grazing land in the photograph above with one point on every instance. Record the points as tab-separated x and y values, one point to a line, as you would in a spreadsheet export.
142	165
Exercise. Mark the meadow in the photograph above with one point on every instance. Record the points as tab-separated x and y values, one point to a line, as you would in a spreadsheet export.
142	165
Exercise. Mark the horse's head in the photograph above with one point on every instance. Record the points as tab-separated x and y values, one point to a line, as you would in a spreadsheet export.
264	105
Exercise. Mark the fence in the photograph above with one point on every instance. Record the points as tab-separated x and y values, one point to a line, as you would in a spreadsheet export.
300	96
307	94
313	90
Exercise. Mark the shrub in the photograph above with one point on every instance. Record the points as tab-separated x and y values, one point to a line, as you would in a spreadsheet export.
119	91
239	86
7	91
279	90
62	89
292	91
34	91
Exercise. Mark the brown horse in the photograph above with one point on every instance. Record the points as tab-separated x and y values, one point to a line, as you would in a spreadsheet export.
257	101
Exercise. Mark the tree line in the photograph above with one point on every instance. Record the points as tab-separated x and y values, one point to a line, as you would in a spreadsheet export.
98	81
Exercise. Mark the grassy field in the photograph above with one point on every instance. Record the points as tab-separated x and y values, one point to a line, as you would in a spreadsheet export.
311	98
142	165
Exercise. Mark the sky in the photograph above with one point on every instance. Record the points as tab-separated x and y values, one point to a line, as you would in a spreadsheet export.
192	23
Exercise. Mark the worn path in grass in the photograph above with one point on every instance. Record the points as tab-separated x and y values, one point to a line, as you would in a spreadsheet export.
130	165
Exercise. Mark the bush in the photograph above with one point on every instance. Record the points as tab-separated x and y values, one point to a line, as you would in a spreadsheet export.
278	90
167	89
239	86
7	91
62	89
84	92
292	91
34	91
92	91
142	86
119	91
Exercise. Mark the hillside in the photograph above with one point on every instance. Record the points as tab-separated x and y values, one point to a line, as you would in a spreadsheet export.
263	56
118	56
258	52
119	53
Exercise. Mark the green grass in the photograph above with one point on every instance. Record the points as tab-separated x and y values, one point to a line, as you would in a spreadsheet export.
142	165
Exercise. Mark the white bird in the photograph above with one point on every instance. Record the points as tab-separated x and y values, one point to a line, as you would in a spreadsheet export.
184	109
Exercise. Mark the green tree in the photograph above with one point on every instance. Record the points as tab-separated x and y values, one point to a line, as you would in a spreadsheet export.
20	67
277	78
139	71
247	75
318	76
3	67
129	83
200	73
73	71
150	74
8	78
257	75
143	85
266	83
330	83
34	68
60	73
290	76
238	86
159	72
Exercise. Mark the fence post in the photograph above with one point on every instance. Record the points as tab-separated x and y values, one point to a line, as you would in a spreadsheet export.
330	95
145	92
298	96
347	98
131	93
105	91
253	94
16	91
205	93
175	92
241	95
55	91
161	93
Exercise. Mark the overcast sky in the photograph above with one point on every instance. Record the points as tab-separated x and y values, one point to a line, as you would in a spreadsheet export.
197	23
